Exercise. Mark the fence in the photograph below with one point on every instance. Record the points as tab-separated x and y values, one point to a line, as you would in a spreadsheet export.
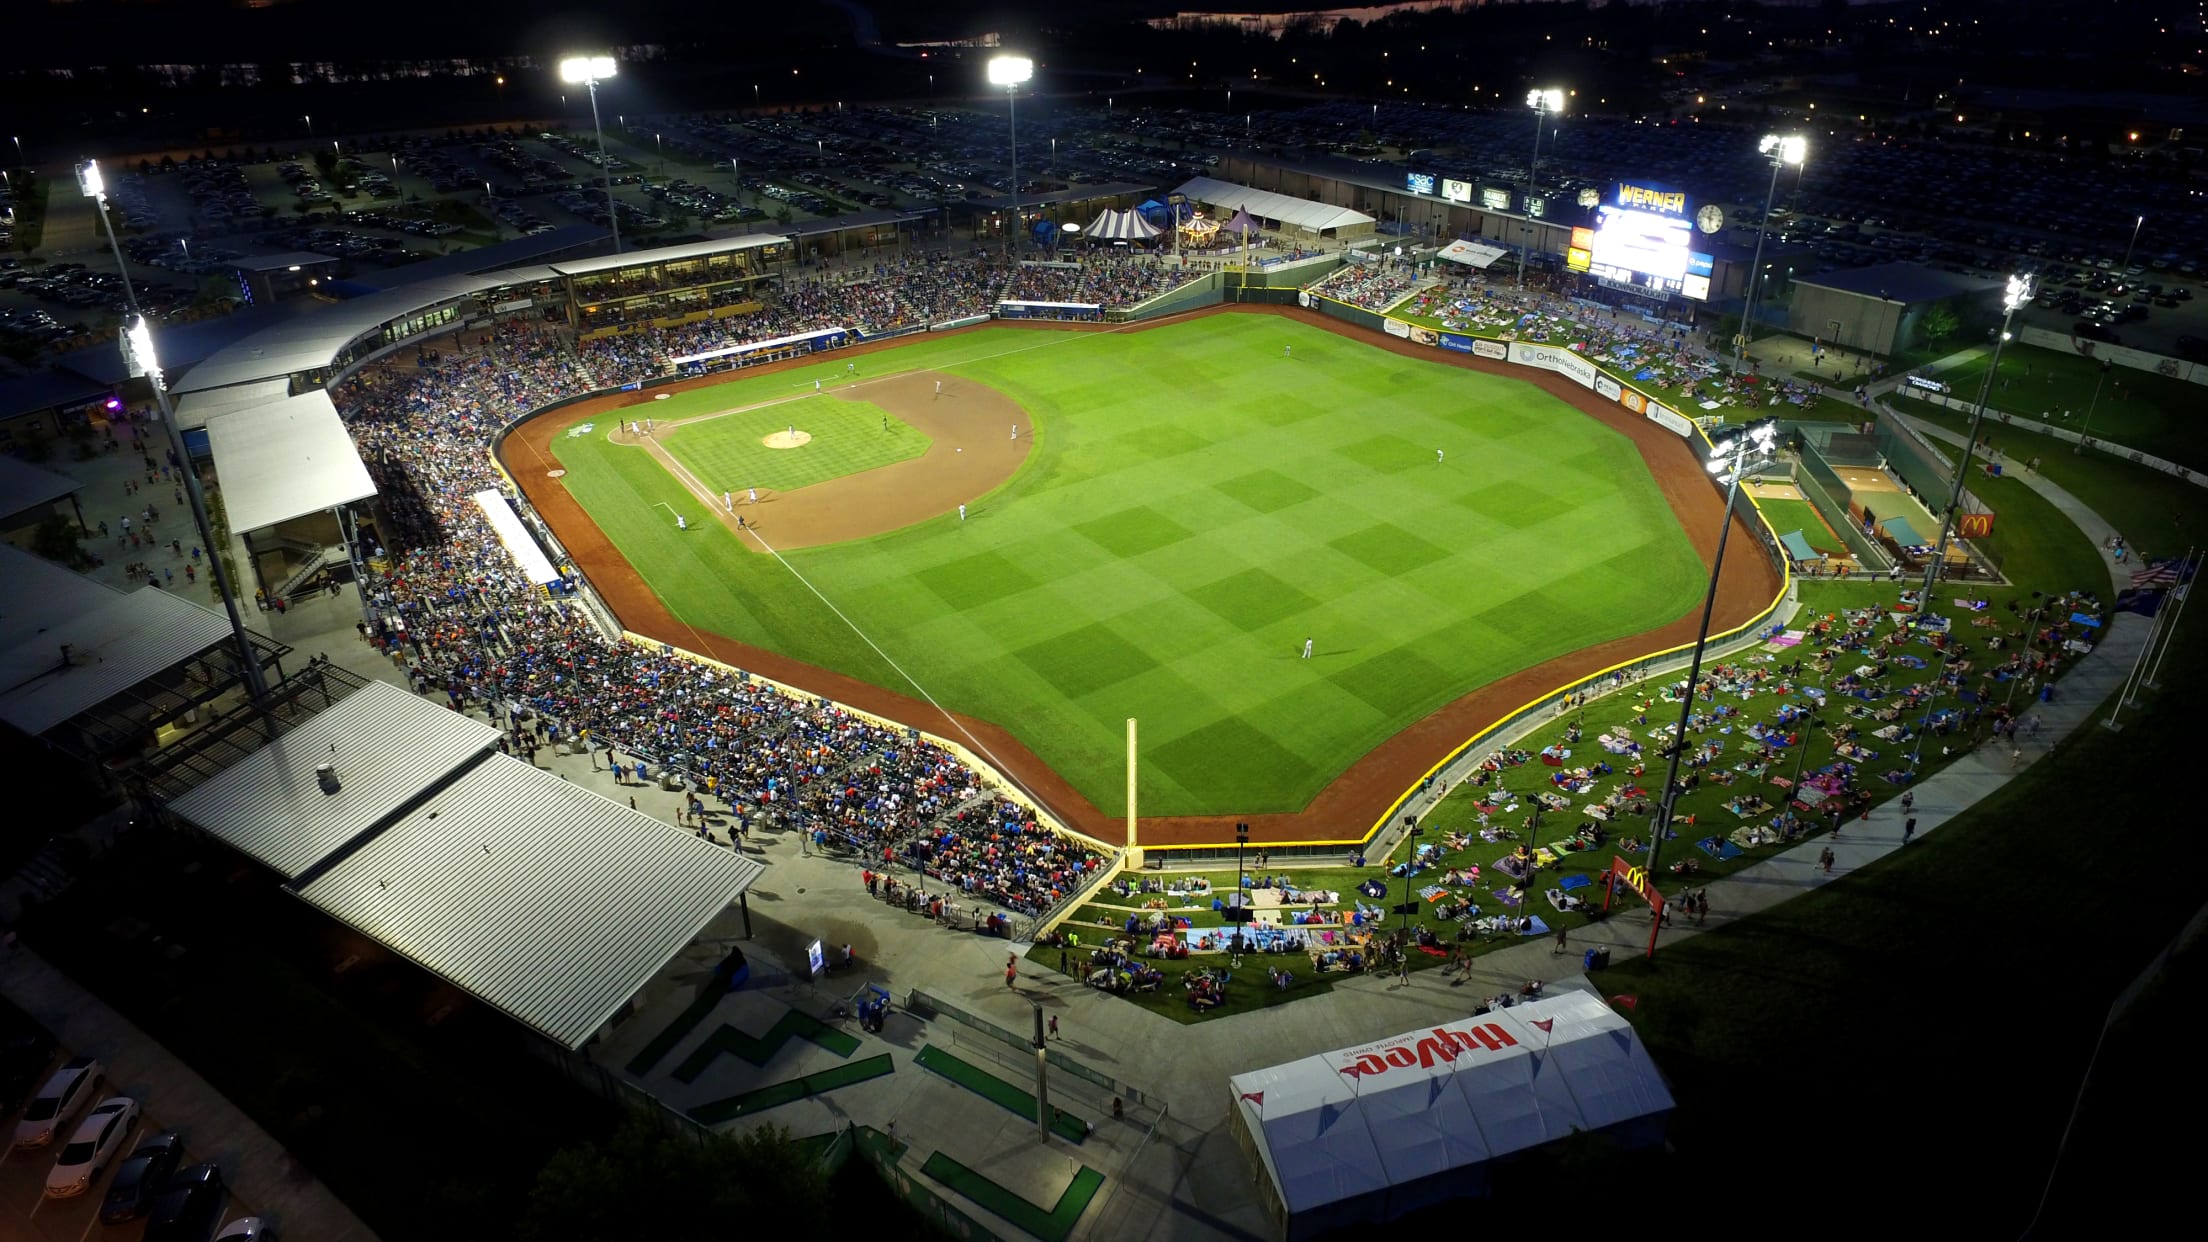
596	1078
877	1150
930	1006
2067	436
1835	512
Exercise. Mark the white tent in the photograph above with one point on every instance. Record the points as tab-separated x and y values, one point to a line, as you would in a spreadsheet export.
1120	226
1367	1134
1473	254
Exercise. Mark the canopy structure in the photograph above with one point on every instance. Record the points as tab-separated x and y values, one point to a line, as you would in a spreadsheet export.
285	459
1370	1133
114	640
1242	225
1295	213
546	901
311	341
1120	226
193	410
1798	547
1471	254
271	806
25	487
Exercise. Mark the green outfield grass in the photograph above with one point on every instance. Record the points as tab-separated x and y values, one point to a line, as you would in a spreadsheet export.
2137	409
726	453
1197	505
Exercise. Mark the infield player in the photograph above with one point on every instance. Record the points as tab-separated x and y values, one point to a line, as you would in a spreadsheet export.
1015	431
939	388
728	502
681	522
962	513
755	495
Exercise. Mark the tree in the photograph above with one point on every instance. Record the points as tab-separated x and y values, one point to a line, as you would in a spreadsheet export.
1939	323
56	540
645	1183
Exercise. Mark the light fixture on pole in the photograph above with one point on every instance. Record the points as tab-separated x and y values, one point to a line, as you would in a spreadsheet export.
1241	884
1008	72
1734	454
1781	150
2133	244
2014	298
140	359
1542	102
590	71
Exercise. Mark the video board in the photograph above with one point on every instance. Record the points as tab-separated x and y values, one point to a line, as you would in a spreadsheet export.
1643	238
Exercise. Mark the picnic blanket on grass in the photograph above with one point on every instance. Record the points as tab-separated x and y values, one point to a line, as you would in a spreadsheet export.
1575	880
1719	849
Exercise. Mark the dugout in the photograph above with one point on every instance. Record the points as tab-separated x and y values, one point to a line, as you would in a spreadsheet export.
1883	309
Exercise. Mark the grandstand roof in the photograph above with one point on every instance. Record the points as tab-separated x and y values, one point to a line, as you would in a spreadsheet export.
1901	282
194	409
285	458
667	254
489	259
24	487
182	344
1300	212
856	220
270	806
549	902
116	639
308	342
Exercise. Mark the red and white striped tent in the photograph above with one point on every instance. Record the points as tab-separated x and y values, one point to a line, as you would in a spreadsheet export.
1367	1134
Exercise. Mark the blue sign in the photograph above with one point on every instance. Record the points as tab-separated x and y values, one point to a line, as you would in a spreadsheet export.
1419	183
1462	344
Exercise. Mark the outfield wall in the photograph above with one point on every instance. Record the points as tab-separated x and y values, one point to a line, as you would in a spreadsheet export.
1206	290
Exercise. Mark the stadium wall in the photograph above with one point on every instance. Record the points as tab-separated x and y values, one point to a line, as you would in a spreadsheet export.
1207	290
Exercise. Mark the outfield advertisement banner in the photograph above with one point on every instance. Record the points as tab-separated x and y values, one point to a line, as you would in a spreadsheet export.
1553	358
1633	401
1669	419
1489	349
1461	344
1608	389
1397	327
1303	297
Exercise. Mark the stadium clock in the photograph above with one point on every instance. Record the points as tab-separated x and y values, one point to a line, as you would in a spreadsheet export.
1710	219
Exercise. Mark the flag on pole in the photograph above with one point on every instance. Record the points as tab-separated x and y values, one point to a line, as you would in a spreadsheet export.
1547	1025
1255	1097
2155	573
1626	1002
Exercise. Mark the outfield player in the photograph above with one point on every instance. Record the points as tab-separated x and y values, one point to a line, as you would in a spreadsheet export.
1306	648
681	522
962	513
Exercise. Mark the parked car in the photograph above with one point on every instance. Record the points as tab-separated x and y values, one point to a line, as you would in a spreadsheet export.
246	1229
188	1207
56	1102
99	1136
140	1178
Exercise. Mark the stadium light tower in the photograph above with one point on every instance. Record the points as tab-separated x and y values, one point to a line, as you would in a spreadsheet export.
2015	297
1008	72
1781	150
140	359
1542	102
590	71
1734	454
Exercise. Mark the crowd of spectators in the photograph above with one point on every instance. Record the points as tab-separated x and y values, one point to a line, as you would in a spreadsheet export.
446	602
1373	286
1111	282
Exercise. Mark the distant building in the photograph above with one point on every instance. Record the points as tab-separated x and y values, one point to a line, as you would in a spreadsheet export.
1881	310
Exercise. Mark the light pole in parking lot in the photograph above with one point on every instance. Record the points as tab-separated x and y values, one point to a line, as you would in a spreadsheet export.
1542	102
2017	296
590	71
2085	432
2133	244
139	356
1781	150
1008	72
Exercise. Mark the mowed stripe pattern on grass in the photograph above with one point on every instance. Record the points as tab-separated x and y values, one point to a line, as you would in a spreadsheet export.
1196	507
726	453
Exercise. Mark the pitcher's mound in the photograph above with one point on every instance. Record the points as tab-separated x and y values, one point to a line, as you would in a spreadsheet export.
788	439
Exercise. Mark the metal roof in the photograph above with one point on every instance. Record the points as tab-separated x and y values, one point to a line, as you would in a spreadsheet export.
24	486
667	254
116	640
194	409
1301	212
308	342
387	747
284	459
43	390
536	896
1901	282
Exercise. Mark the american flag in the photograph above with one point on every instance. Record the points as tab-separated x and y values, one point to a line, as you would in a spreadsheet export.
2160	573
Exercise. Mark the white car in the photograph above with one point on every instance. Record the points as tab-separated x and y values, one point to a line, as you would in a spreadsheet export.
99	1136
245	1229
57	1102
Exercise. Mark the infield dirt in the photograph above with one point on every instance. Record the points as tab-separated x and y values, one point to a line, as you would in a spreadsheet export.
1368	787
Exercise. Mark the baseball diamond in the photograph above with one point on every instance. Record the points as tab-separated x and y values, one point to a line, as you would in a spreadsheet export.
1193	501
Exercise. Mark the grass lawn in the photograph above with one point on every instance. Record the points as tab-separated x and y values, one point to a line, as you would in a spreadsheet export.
1793	515
2138	409
2159	515
726	453
1196	505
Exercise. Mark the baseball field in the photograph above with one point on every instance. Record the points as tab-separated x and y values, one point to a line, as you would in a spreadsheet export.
1179	511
